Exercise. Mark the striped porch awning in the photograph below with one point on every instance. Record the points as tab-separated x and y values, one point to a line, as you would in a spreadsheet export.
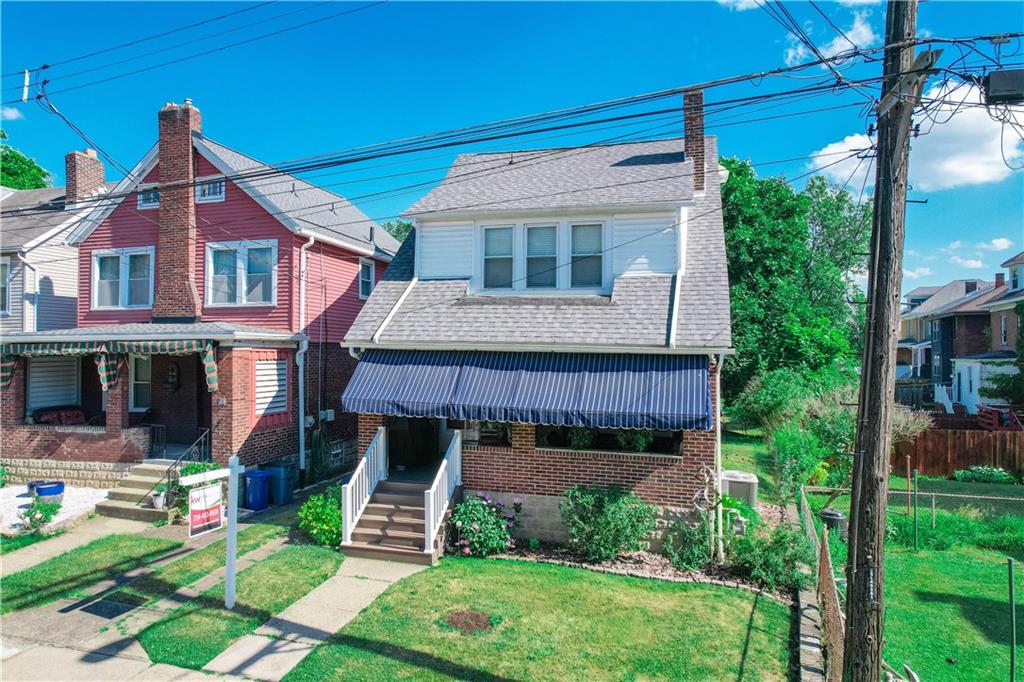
626	391
109	354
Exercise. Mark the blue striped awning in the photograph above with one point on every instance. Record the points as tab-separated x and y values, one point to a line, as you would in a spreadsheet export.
667	392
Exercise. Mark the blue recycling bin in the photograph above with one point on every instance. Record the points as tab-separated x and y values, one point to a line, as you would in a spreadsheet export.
257	490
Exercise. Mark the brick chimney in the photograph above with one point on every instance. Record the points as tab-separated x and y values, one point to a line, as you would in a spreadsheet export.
693	129
85	177
177	299
1000	279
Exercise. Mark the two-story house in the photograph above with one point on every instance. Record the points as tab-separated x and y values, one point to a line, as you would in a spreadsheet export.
559	317
213	292
917	331
913	352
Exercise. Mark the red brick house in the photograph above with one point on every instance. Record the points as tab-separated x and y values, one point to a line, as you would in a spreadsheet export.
559	317
213	293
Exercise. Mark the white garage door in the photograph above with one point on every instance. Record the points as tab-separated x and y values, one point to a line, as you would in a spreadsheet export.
52	382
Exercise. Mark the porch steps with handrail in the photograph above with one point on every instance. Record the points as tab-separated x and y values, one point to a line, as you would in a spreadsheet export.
391	526
130	498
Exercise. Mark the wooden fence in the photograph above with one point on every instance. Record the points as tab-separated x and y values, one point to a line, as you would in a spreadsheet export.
940	452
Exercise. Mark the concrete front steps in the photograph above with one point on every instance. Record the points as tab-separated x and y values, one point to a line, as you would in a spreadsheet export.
131	498
391	527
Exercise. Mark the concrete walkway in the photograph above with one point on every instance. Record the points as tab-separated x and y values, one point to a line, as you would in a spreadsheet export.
284	640
81	534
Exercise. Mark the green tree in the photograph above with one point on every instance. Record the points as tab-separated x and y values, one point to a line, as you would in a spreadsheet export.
792	257
18	171
399	229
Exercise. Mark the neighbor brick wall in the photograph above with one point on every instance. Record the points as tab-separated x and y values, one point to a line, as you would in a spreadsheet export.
368	425
1012	329
329	368
972	335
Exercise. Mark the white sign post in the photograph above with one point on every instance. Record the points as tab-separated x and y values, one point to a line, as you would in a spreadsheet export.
229	579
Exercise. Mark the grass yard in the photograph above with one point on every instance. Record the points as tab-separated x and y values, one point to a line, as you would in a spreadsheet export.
82	567
194	634
11	543
898	488
166	580
551	622
748	452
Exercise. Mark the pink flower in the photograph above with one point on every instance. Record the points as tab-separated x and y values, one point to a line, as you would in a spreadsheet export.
465	550
476	526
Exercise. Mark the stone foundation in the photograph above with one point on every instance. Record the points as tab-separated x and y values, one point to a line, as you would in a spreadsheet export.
90	474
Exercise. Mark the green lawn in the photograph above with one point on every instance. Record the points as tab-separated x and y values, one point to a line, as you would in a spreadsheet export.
169	578
11	543
551	622
194	634
82	567
748	452
928	485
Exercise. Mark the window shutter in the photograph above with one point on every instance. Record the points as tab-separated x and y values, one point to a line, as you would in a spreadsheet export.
269	390
52	382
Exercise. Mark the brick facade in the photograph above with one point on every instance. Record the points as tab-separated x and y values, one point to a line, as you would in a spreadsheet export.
972	335
85	176
693	142
329	368
1012	329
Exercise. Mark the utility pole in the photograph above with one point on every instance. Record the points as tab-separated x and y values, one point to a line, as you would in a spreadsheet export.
903	80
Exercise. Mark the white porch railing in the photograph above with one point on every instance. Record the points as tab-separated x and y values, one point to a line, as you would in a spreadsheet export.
439	494
943	396
372	469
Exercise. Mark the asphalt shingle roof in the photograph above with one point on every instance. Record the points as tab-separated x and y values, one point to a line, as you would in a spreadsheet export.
143	330
43	211
637	314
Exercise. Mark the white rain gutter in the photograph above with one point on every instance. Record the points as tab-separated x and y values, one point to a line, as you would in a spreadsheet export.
394	310
27	268
677	287
719	361
300	357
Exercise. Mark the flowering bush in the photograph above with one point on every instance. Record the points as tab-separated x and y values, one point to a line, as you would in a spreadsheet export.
604	523
482	526
38	515
320	517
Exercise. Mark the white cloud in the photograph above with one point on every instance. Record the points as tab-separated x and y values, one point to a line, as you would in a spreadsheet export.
832	161
917	273
913	254
969	263
968	149
859	33
739	5
10	114
997	244
953	246
857	3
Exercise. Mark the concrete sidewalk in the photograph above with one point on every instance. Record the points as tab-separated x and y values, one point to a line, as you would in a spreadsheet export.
76	536
284	640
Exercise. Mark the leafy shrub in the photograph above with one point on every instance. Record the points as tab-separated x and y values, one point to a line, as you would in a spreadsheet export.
984	474
952	529
3	477
771	559
533	544
745	510
320	517
580	437
687	545
483	526
634	440
773	397
180	492
604	523
38	515
797	454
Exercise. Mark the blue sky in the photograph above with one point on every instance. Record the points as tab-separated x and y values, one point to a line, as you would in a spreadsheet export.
405	68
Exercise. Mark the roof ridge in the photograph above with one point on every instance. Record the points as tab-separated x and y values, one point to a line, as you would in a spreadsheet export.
573	146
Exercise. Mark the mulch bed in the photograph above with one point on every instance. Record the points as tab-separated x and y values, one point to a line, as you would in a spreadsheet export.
468	621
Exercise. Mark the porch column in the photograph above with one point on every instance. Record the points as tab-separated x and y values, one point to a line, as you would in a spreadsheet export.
524	438
12	396
368	425
229	406
117	403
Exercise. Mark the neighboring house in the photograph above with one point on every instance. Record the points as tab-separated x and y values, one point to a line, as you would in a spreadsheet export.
548	302
972	372
213	293
38	271
915	330
913	356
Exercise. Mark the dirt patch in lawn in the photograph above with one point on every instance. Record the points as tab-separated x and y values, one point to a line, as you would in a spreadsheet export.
468	621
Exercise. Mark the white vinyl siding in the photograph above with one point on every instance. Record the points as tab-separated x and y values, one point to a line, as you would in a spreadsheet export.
12	320
55	301
5	285
444	250
52	382
241	273
644	245
271	387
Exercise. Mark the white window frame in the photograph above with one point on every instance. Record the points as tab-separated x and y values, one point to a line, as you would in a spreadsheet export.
241	259
516	257
122	296
142	191
132	407
212	199
5	297
1015	279
563	257
373	276
526	256
1002	329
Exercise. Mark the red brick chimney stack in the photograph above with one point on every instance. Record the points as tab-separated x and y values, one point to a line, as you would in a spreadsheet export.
1000	279
177	299
86	176
693	129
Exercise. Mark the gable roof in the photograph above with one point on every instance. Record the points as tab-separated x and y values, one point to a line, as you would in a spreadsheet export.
1014	260
946	294
35	216
629	173
303	208
403	311
921	291
972	303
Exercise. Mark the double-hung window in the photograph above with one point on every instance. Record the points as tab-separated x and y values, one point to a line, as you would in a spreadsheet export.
1014	278
498	257
241	273
366	277
141	371
209	191
541	256
587	260
123	278
5	285
1002	329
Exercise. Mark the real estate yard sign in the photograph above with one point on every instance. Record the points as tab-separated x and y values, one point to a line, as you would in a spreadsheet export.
205	509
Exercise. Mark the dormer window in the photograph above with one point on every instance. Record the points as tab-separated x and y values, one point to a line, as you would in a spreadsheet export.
1015	279
149	197
586	255
210	191
542	257
498	257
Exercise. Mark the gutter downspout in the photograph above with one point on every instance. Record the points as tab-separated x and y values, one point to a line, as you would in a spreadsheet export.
300	361
27	268
719	361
